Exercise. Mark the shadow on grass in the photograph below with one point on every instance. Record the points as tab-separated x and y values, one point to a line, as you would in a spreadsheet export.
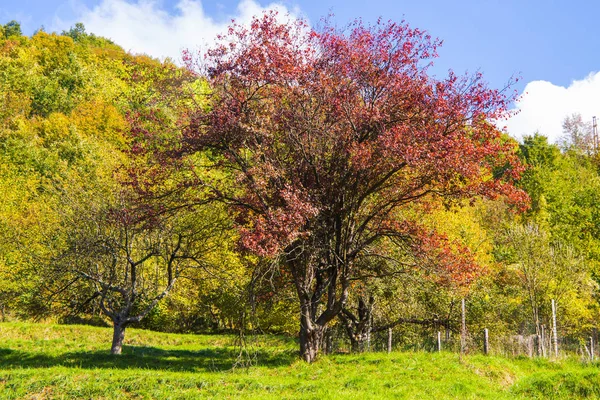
211	359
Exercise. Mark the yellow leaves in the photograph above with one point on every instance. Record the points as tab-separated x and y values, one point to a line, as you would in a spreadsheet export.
461	223
55	128
24	214
97	119
143	60
197	93
13	105
52	49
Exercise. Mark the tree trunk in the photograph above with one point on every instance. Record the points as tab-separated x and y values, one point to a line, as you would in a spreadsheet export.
311	334
356	344
321	297
118	337
310	339
359	326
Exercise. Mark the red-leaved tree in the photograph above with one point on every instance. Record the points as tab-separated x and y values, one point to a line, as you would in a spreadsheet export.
330	134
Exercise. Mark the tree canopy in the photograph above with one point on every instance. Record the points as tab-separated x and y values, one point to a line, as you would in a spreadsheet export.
330	135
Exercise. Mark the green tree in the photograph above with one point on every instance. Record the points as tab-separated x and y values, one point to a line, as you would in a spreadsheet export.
123	260
12	29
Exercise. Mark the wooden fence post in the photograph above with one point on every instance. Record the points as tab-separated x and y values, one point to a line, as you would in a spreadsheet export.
486	343
329	342
439	341
543	340
554	330
369	327
389	340
463	330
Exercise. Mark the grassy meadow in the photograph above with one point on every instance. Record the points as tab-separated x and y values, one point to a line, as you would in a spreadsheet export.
39	361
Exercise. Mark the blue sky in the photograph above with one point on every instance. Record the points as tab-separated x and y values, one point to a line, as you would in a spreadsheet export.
550	44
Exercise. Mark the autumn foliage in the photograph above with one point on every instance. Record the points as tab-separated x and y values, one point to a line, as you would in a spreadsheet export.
330	134
345	168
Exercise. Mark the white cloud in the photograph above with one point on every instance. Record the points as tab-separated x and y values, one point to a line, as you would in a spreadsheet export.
543	106
144	26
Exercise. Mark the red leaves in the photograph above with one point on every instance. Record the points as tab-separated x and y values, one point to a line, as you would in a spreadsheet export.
446	262
265	232
329	133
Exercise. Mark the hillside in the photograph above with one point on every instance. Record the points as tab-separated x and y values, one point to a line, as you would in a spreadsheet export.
57	362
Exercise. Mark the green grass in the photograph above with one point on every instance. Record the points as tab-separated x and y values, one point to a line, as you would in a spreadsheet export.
72	362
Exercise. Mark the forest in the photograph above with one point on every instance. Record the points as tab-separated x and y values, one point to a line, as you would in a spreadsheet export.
317	184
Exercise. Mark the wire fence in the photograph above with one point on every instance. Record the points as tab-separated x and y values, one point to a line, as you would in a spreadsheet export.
477	340
337	341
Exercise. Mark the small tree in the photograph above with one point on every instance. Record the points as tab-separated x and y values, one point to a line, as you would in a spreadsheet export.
578	135
12	29
547	270
330	135
128	260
